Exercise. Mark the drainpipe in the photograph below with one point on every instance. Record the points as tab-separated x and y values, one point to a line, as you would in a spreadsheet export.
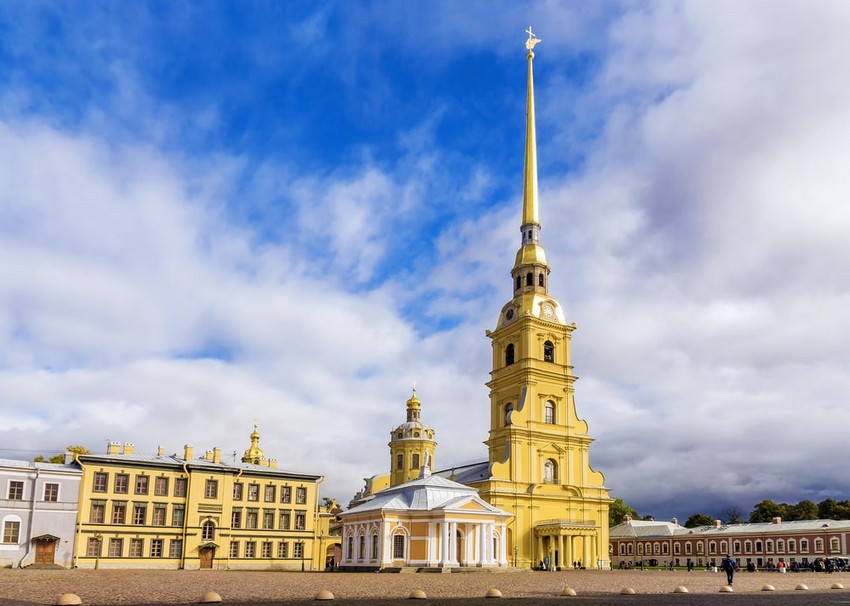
186	515
32	518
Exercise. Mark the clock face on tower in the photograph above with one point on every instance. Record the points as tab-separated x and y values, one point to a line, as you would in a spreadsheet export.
547	311
509	315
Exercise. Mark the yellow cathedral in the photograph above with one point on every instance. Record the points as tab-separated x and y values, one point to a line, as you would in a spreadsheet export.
538	468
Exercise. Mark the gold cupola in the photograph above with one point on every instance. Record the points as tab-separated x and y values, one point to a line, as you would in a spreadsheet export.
255	454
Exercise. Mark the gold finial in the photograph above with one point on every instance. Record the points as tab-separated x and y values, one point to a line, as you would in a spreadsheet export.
532	40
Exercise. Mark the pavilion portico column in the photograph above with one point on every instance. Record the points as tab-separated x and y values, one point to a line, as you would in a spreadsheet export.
482	543
540	550
503	547
444	543
453	543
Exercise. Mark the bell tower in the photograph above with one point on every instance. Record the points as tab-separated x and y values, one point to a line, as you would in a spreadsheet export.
411	445
538	447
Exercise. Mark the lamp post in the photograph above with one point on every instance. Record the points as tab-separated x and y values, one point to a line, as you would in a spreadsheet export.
516	549
99	538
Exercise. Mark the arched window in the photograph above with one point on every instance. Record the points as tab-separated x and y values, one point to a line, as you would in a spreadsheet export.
737	547
629	549
540	280
677	548
529	279
550	471
362	551
549	412
509	354
834	545
208	531
548	352
518	282
665	548
509	408
414	461
819	545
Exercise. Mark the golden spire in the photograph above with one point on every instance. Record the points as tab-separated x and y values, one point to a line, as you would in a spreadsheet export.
254	453
529	190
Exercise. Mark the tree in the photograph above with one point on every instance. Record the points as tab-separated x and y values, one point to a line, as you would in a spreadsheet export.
60	458
804	510
699	519
732	515
767	510
618	510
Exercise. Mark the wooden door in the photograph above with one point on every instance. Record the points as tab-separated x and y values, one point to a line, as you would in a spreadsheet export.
45	550
206	555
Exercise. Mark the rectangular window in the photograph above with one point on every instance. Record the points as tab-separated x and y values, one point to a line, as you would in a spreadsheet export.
142	484
51	492
414	461
236	518
137	548
250	549
16	490
175	548
93	548
237	491
160	511
116	548
178	513
283	549
140	511
398	547
156	548
298	550
234	549
160	487
100	481
399	461
266	549
285	520
300	496
300	519
119	513
97	513
269	494
286	494
251	518
253	492
268	519
211	489
180	485
11	531
122	482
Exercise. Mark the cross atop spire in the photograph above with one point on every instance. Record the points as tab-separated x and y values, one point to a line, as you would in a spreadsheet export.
532	40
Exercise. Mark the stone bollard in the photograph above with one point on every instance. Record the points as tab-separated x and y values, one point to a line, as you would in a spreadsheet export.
726	589
69	599
210	597
768	588
417	594
568	591
627	591
493	593
837	586
802	587
324	594
681	589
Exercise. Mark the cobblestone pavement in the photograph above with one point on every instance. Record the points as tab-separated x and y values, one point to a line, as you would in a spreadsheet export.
599	588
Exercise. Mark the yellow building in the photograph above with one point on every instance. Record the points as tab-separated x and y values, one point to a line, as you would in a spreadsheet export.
538	468
170	511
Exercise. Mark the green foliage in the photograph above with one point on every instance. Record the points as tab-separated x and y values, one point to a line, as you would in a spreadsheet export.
699	519
619	510
767	510
830	509
60	458
732	515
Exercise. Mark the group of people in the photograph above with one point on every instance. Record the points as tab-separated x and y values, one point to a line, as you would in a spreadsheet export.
545	564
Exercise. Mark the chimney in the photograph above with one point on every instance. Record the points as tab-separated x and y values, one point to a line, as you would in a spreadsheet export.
675	522
187	453
216	455
69	458
777	520
113	448
129	448
718	523
273	463
160	451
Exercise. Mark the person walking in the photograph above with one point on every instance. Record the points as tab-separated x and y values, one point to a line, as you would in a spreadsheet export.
728	565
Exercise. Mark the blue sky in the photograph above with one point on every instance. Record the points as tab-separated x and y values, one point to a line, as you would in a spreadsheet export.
217	212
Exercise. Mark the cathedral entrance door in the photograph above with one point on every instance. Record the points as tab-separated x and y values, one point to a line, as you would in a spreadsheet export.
45	549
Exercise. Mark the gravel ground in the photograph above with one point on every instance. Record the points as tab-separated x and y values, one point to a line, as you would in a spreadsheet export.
599	588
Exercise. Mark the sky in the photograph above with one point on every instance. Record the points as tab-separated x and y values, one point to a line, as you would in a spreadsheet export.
286	213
